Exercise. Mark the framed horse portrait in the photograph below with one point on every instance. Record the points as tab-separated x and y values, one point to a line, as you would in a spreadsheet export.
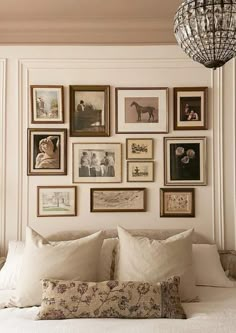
89	110
141	110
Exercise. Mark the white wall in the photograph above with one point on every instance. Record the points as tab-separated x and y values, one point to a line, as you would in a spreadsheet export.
117	66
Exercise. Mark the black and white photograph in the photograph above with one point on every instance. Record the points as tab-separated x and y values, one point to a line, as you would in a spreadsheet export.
137	149
118	199
47	104
185	161
96	162
56	201
89	110
190	108
47	152
140	171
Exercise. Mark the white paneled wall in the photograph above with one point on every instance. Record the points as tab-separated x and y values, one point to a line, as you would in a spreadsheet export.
117	66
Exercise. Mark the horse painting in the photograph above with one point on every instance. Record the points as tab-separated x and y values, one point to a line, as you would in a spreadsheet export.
143	109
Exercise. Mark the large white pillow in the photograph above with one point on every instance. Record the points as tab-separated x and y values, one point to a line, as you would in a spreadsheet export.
208	268
67	260
144	259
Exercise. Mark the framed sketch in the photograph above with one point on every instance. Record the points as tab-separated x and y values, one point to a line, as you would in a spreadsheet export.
118	199
89	110
177	202
56	201
47	104
185	160
190	108
96	162
139	149
47	151
142	110
140	171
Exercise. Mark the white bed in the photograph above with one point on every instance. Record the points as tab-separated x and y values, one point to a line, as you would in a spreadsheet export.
215	313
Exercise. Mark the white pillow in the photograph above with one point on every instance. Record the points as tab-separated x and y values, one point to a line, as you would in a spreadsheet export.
9	274
144	259
67	260
208	268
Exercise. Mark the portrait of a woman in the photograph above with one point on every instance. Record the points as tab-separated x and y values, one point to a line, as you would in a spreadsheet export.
48	156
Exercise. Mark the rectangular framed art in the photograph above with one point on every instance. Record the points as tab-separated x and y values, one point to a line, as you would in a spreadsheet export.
140	171
139	149
47	104
96	162
185	160
89	110
177	202
190	108
141	110
118	199
47	151
56	201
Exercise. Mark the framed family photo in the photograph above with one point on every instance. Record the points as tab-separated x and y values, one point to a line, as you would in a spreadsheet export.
56	201
185	160
139	149
47	104
190	108
47	151
96	162
141	110
118	199
89	110
140	171
177	202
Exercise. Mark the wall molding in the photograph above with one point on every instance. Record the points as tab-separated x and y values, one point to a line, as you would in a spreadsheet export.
234	134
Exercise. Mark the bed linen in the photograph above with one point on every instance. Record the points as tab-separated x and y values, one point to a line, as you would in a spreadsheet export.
216	312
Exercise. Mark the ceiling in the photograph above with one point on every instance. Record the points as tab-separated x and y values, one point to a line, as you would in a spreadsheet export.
87	21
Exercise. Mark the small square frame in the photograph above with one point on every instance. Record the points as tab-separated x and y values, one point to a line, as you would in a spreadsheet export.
143	171
139	148
177	202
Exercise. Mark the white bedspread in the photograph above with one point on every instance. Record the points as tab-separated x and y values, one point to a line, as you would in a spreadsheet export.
216	313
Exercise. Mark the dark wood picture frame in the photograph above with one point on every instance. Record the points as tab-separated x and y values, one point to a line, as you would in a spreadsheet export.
185	161
190	108
34	105
74	211
181	210
140	177
141	149
115	202
156	119
55	166
85	119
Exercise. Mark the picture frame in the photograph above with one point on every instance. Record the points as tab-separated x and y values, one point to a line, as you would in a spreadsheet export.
118	199
55	201
140	171
89	110
47	151
47	104
96	163
177	202
139	148
190	108
185	161
141	110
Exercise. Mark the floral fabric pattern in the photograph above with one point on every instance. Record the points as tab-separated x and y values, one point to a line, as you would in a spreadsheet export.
110	299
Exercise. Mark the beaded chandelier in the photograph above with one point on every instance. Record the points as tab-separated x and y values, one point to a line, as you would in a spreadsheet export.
206	30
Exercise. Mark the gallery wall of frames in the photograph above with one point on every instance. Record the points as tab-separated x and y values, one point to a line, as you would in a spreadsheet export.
133	136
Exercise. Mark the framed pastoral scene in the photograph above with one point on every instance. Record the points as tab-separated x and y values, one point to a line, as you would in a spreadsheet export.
118	199
47	104
56	201
96	162
139	149
177	202
140	171
190	108
89	110
185	160
47	151
142	110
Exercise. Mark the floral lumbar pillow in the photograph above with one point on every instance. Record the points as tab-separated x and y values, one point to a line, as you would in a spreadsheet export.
110	299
